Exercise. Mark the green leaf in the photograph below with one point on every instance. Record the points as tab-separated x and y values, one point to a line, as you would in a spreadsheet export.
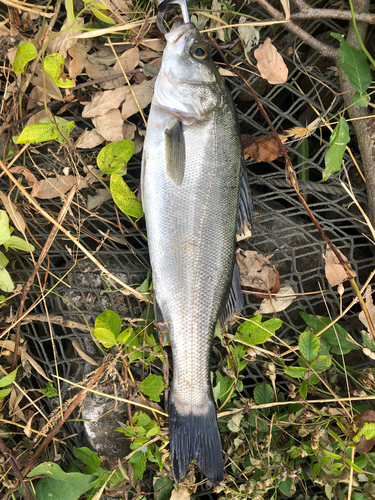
19	244
115	156
138	462
321	363
254	332
8	379
354	64
124	197
163	488
59	485
295	372
368	430
3	260
110	320
54	66
361	99
309	345
37	132
368	340
152	386
4	392
106	337
49	390
355	467
332	455
223	387
101	16
4	227
286	486
303	390
316	470
90	459
263	394
337	145
26	52
6	282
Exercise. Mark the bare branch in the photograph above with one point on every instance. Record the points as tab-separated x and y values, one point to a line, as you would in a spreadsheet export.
323	49
343	15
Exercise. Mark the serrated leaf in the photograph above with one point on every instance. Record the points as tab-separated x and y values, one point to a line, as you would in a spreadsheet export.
4	227
115	156
321	363
101	16
335	154
152	386
124	197
19	244
354	64
59	485
286	486
295	371
254	332
303	390
309	345
263	394
361	99
110	320
106	337
54	66
26	52
8	379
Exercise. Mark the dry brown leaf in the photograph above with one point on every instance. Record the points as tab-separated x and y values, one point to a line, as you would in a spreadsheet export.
89	139
147	55
265	148
62	42
129	130
46	85
128	61
82	354
143	92
9	344
109	125
257	272
27	429
370	307
13	212
104	102
182	493
216	8
334	271
30	178
143	401
78	55
271	65
100	197
36	98
154	44
55	186
281	301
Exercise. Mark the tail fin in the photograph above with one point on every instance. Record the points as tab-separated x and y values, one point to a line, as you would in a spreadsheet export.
195	437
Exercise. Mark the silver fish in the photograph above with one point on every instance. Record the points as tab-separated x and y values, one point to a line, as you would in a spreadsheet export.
195	196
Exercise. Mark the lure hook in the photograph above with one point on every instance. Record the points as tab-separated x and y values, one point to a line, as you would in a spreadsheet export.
163	8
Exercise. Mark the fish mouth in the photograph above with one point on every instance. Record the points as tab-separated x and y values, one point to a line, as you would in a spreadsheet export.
176	35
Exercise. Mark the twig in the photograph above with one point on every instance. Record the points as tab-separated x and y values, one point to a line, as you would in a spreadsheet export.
7	454
42	256
56	320
307	12
129	289
23	6
322	48
76	401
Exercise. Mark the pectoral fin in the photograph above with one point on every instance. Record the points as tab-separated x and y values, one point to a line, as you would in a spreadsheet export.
235	299
245	212
175	152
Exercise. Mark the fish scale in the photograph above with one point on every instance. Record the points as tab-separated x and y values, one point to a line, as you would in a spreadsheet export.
191	183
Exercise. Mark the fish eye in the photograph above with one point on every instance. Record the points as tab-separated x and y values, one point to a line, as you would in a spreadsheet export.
200	53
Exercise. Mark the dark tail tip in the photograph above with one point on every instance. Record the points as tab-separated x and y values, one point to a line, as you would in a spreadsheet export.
195	437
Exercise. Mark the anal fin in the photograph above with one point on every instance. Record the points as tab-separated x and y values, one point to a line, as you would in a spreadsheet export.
235	299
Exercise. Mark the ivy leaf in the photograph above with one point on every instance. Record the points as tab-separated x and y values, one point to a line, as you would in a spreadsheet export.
309	345
337	145
26	52
263	394
124	197
295	371
110	320
4	227
54	66
8	379
152	386
59	485
254	332
115	156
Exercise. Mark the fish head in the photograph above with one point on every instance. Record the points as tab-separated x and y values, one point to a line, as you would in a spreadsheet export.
189	84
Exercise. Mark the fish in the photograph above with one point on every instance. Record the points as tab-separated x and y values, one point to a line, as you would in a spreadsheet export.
195	196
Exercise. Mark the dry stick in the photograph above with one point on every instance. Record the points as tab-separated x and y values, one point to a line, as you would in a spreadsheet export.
292	179
76	401
307	12
7	454
30	281
129	289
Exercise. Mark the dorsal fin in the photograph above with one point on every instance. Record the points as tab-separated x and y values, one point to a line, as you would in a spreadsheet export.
175	152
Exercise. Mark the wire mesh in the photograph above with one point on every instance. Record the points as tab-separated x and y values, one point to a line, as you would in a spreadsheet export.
78	292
